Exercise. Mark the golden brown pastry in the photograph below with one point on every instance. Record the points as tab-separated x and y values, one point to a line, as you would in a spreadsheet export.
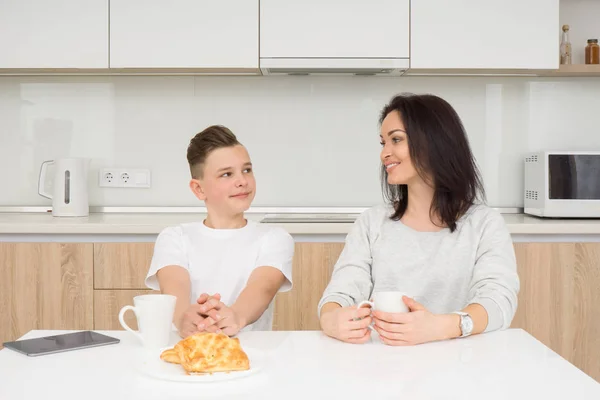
207	353
170	355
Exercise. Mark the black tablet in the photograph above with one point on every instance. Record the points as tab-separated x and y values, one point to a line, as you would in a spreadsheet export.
60	343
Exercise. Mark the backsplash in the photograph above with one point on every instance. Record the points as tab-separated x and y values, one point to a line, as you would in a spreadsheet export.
313	140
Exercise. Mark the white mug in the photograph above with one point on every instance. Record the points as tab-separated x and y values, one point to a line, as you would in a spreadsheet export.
389	302
154	314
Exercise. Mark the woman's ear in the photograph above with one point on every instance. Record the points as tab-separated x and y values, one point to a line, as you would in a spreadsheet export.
196	187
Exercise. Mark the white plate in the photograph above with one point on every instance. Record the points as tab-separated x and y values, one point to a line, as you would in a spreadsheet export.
154	367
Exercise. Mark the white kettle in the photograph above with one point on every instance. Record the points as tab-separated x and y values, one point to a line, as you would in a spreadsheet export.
70	191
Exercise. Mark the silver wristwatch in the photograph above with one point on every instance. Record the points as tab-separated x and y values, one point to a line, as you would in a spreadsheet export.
466	323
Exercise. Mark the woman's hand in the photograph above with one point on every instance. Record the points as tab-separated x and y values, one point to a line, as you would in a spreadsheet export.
415	327
348	324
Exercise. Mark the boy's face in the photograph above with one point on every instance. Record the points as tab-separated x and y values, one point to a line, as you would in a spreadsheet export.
227	185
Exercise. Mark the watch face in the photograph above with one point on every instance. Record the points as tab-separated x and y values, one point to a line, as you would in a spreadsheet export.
467	325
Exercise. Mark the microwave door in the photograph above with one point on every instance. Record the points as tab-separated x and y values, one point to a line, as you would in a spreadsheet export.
574	176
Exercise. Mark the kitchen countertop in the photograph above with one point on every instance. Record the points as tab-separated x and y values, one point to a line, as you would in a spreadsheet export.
507	364
153	223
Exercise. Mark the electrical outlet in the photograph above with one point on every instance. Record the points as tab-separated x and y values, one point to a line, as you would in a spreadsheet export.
108	177
124	178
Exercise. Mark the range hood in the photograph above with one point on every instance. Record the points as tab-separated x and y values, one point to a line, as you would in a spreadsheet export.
334	66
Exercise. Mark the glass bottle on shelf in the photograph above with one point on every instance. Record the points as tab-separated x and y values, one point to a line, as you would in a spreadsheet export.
592	52
565	46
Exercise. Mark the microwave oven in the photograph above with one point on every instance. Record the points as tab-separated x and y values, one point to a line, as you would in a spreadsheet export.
562	184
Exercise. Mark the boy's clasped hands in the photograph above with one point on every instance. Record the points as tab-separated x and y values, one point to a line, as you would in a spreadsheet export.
209	314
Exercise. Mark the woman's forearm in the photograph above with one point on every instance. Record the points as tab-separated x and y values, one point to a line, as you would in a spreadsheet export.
329	307
452	321
479	316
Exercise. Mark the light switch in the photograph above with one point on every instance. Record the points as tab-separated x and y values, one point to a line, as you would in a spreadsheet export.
141	179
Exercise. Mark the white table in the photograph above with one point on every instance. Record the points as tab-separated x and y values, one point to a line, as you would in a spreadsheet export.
500	365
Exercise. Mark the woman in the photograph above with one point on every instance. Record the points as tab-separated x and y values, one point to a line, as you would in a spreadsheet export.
434	239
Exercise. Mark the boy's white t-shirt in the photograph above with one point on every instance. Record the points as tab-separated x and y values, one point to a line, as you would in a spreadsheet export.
221	260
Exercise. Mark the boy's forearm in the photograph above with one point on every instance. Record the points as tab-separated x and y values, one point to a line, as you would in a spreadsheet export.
176	282
182	304
262	286
252	303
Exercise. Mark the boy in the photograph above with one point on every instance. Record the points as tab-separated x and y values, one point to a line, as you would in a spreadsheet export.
242	263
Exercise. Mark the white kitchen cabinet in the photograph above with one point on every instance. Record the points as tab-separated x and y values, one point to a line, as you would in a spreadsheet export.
179	34
491	34
55	34
334	29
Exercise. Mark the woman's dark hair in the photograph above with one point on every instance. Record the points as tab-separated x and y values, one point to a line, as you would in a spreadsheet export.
439	150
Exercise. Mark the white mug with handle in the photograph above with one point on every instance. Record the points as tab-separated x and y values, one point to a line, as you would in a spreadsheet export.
389	302
154	314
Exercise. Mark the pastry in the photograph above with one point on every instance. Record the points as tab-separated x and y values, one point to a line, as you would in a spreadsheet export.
170	355
207	353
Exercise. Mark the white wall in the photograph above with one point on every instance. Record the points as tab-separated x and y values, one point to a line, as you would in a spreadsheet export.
313	140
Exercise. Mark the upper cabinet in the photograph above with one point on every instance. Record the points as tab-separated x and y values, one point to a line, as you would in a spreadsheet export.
179	34
491	34
334	29
57	34
375	37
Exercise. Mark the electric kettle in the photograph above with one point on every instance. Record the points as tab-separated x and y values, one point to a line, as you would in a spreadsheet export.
70	192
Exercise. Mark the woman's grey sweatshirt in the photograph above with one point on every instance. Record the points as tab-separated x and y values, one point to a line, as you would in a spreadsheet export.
445	271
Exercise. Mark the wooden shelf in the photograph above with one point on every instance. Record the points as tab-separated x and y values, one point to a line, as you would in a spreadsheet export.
575	70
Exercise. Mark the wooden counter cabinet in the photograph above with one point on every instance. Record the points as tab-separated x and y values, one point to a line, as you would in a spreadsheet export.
45	286
84	285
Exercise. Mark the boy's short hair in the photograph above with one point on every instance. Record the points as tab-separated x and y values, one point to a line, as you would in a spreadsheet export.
210	139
